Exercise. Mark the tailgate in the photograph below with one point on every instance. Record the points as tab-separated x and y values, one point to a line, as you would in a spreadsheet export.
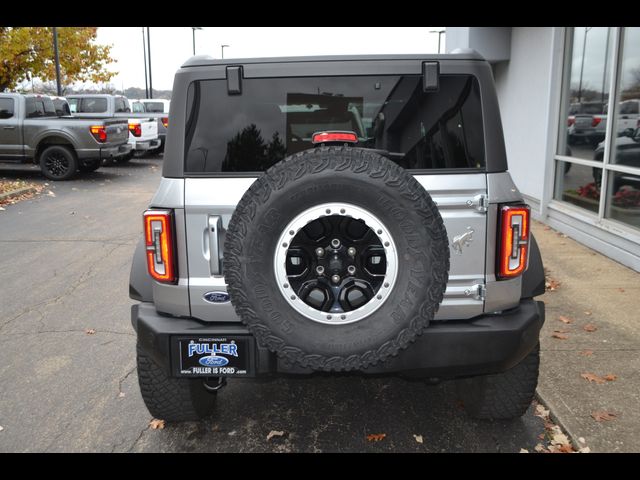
149	128
584	122
117	131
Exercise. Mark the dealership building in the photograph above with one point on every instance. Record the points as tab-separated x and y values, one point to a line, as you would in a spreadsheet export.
569	99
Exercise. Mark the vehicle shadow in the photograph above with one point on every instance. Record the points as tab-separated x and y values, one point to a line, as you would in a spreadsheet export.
335	414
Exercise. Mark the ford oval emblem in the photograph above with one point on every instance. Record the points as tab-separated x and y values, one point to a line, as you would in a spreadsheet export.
213	361
216	297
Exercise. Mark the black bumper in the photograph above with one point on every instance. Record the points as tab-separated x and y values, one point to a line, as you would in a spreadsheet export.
487	344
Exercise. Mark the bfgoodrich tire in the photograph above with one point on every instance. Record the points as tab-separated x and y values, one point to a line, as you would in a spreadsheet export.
172	399
354	178
502	396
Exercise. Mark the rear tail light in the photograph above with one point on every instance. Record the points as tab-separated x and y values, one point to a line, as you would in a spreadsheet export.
159	244
165	121
571	121
513	249
99	132
324	137
595	121
135	129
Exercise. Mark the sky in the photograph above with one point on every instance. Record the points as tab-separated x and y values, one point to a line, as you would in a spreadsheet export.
172	46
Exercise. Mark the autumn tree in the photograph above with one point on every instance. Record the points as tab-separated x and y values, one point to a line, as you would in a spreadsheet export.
27	52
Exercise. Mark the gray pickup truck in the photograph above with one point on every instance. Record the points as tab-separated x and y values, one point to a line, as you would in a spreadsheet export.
31	131
143	127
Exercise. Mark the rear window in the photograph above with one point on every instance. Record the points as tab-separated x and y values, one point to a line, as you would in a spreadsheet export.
137	107
121	105
88	105
39	107
276	117
6	108
154	107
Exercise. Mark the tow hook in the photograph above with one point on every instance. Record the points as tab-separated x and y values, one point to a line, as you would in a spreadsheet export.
216	383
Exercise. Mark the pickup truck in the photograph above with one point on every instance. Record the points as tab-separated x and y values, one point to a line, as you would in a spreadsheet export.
31	131
157	107
143	128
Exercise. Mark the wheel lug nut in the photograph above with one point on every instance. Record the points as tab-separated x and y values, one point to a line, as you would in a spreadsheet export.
320	252
335	278
320	270
335	243
351	269
351	251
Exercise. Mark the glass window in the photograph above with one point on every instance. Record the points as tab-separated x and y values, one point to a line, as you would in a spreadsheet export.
39	107
275	117
121	105
623	198
154	107
578	184
586	92
92	105
137	107
6	108
73	104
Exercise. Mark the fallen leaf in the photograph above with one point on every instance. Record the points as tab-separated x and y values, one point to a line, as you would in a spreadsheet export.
541	436
603	416
610	377
418	438
559	438
586	353
523	450
156	424
541	411
564	448
274	433
621	290
592	377
587	312
121	395
589	328
90	331
376	437
564	319
540	448
581	440
561	330
51	194
547	228
584	450
560	336
232	433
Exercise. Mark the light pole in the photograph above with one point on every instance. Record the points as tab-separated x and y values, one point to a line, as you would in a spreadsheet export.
439	32
57	58
149	54
584	47
146	76
194	37
222	50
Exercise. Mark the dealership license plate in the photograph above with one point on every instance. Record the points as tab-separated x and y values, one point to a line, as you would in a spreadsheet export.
217	356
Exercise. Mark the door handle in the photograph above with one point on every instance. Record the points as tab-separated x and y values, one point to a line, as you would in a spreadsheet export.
9	128
214	227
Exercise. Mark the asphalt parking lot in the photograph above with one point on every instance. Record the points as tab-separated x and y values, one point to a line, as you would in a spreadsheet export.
64	267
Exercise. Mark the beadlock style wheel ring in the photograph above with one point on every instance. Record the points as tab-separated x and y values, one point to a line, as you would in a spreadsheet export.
336	263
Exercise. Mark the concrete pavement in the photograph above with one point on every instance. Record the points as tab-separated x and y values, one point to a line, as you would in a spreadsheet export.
593	290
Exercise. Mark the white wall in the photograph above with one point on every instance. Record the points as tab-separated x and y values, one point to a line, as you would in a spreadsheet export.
523	90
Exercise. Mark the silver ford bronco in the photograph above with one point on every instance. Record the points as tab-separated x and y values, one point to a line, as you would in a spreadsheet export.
336	214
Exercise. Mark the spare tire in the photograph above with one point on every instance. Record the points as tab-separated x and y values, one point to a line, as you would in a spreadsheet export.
336	258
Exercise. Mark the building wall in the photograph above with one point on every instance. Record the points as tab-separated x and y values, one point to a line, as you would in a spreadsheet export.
523	88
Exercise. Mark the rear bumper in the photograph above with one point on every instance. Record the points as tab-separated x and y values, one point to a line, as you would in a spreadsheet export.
487	344
104	153
146	145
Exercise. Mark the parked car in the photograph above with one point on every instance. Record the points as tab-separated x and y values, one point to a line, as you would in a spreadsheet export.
587	122
627	153
312	217
143	129
158	107
32	131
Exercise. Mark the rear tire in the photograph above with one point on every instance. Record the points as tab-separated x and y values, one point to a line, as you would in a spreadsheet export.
504	395
58	162
172	399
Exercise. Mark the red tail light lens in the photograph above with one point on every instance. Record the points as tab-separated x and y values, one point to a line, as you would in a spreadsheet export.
159	244
595	121
165	121
323	137
135	129
571	121
99	132
513	249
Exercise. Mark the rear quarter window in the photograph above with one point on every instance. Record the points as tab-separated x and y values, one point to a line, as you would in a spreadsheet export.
276	117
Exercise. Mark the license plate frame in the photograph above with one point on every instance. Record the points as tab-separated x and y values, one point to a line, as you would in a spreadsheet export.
226	356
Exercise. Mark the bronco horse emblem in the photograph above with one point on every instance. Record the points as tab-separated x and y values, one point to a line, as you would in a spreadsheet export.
462	240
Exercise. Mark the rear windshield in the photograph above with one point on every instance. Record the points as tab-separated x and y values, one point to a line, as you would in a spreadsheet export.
276	117
154	107
88	105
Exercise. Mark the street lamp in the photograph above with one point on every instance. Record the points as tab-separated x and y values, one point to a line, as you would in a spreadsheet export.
584	47
439	32
222	50
194	37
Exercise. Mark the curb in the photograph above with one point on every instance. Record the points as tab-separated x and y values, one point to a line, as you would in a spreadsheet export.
15	193
549	406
